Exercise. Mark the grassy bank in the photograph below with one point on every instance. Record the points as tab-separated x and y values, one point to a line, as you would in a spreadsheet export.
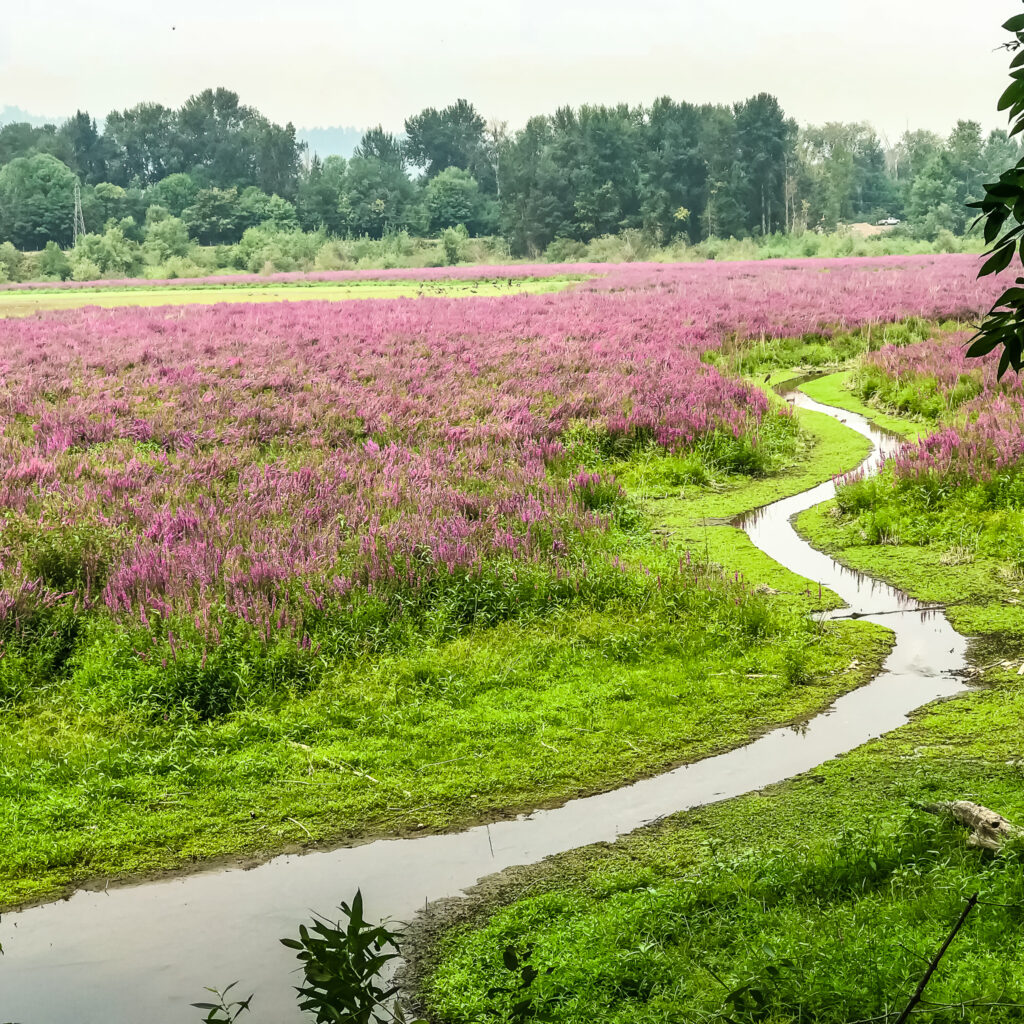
834	389
818	899
698	518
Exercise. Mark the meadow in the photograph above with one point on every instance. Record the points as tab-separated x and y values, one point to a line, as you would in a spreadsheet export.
825	897
308	572
27	301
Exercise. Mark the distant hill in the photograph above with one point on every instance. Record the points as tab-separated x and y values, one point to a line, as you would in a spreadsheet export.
9	115
339	140
336	140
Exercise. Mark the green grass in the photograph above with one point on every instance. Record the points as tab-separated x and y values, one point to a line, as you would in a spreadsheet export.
836	389
947	542
695	518
820	899
507	718
777	359
103	775
24	303
826	894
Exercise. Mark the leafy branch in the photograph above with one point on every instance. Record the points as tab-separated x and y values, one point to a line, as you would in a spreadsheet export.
1002	204
342	962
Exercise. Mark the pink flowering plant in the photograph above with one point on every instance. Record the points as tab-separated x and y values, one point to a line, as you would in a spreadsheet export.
960	481
335	478
311	482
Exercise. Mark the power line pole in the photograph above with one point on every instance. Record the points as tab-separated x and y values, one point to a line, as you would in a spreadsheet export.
78	229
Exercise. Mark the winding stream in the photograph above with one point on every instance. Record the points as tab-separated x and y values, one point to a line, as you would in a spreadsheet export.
140	954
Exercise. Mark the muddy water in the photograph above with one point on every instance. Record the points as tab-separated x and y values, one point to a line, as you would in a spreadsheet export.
140	955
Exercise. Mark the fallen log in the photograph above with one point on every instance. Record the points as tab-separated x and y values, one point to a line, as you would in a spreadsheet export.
989	830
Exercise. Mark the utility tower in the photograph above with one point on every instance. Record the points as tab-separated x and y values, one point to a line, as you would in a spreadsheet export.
79	225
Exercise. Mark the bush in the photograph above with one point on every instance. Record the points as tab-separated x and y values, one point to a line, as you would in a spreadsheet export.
453	241
165	237
332	255
12	263
266	249
177	266
628	246
565	250
111	254
85	270
52	264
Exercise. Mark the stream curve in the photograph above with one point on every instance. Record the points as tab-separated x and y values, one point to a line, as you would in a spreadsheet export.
143	953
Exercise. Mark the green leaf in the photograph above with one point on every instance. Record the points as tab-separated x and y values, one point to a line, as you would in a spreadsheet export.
1012	94
982	346
1004	363
998	261
993	225
1000	190
1015	24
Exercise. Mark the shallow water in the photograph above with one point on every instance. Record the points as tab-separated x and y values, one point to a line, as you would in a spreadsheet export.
141	954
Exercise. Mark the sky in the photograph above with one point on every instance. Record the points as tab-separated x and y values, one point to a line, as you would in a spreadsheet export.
895	63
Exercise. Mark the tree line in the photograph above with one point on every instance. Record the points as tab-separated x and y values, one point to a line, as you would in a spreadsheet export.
214	169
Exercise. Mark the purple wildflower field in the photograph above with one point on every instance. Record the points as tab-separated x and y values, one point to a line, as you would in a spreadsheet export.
981	428
921	274
273	461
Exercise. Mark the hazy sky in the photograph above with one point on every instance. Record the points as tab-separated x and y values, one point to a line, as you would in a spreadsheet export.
892	62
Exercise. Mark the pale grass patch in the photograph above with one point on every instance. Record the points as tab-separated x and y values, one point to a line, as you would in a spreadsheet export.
958	554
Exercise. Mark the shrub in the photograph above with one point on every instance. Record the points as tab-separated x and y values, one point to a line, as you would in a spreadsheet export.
165	237
83	269
453	241
565	250
52	264
111	254
11	262
946	241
